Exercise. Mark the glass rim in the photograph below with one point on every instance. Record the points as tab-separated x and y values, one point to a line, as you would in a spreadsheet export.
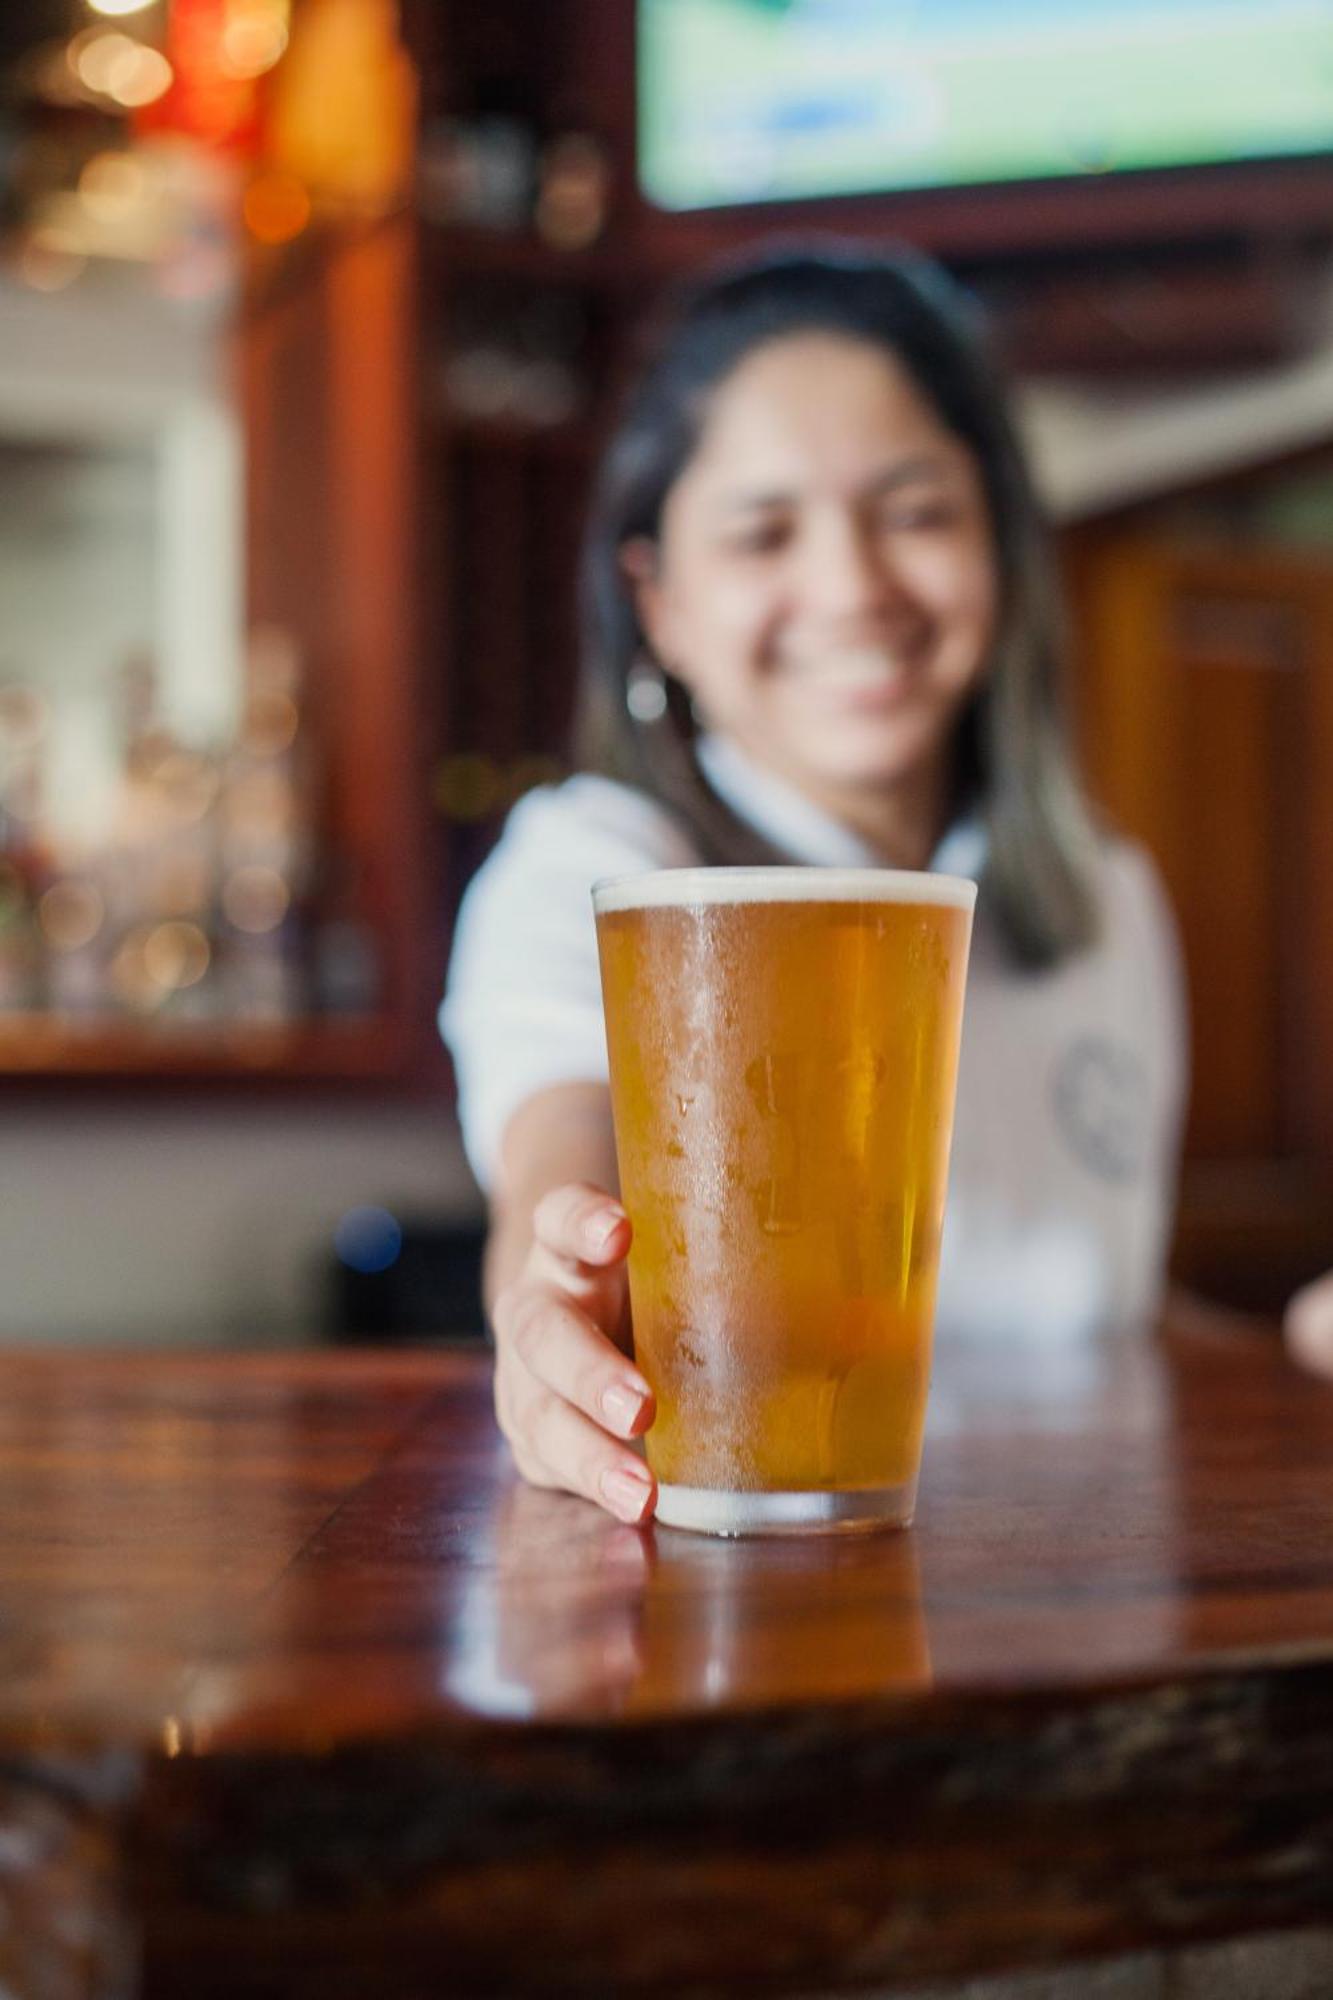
683	888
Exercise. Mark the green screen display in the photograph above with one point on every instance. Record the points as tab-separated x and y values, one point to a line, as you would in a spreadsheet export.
778	100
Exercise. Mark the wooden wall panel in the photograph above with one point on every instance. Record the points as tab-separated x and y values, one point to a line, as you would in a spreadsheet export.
1223	871
1205	700
329	380
381	769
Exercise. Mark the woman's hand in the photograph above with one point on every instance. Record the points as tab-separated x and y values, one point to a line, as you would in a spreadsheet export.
565	1393
1308	1325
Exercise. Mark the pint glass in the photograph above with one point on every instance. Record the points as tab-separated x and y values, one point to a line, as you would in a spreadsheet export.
783	1048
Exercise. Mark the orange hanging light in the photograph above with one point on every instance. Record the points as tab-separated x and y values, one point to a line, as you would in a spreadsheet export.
342	107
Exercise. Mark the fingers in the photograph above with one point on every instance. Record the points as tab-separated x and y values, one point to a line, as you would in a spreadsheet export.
565	1394
565	1353
581	1238
568	1450
1309	1326
579	1225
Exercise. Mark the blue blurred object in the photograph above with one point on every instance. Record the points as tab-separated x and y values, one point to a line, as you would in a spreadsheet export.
368	1239
412	1281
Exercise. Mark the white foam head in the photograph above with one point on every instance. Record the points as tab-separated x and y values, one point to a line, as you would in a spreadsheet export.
681	888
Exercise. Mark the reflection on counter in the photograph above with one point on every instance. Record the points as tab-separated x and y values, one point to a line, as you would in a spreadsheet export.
578	1615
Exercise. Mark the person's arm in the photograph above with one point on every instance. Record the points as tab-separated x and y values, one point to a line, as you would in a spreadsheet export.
559	1135
566	1395
1308	1325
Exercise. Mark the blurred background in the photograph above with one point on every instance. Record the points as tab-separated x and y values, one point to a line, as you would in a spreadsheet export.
312	314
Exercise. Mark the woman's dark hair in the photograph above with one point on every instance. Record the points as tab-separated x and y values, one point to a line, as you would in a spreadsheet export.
1012	765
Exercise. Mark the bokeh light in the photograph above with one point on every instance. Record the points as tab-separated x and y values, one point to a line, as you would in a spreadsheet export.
368	1239
131	980
176	954
95	54
188	782
276	208
111	186
255	899
140	78
253	41
70	914
111	64
270	724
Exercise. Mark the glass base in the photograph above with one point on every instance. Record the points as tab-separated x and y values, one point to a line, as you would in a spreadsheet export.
708	1511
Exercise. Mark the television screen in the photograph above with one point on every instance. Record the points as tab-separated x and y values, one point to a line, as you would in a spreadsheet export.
780	100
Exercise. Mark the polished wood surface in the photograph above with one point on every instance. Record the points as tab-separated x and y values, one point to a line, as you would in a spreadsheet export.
302	1692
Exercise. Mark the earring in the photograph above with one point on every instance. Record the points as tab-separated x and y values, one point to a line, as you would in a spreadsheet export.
645	690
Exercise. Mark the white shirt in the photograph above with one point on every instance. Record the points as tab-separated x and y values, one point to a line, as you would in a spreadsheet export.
1070	1085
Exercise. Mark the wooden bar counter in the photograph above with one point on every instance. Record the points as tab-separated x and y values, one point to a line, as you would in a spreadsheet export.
302	1694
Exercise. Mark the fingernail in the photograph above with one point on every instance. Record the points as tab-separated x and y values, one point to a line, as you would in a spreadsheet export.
627	1491
621	1404
600	1228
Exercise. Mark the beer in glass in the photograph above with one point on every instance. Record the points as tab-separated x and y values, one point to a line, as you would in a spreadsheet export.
783	1048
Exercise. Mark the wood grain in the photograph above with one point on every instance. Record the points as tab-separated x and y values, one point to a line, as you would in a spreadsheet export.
379	1719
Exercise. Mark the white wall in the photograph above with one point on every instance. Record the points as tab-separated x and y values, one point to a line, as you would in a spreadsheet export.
1097	446
198	1222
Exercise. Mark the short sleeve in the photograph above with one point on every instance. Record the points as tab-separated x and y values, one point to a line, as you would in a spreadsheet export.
523	1003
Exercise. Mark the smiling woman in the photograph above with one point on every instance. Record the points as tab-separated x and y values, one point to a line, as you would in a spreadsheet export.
814	531
824	585
842	399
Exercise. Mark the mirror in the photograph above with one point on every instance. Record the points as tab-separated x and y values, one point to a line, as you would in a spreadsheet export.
121	536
